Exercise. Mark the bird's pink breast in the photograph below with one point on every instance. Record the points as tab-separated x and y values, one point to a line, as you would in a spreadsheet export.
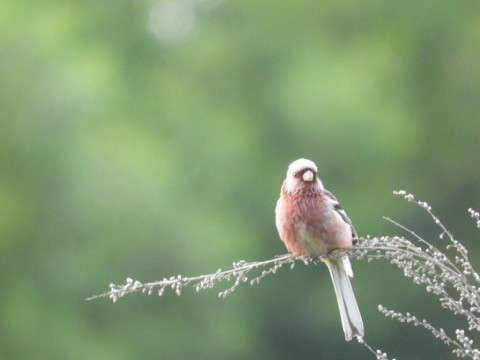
308	226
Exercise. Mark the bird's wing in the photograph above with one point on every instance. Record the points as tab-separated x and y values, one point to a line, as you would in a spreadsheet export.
338	208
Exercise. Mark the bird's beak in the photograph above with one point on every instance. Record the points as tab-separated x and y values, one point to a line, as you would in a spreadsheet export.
308	176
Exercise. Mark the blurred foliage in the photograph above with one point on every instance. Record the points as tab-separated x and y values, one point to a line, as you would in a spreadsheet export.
147	139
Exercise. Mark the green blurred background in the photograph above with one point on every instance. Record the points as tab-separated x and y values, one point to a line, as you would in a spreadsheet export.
145	139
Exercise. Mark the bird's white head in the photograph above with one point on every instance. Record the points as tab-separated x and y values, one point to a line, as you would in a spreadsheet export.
301	173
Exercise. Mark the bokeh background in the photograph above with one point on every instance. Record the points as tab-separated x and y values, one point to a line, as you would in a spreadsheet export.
149	138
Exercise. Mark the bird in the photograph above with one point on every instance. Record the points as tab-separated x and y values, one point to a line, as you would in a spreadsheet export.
311	222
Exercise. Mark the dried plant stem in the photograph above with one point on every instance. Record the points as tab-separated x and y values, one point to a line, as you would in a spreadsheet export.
238	272
447	274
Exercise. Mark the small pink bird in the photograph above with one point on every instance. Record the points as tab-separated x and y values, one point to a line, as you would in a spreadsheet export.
310	222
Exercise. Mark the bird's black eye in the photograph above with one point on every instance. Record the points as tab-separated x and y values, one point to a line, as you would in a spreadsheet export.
295	174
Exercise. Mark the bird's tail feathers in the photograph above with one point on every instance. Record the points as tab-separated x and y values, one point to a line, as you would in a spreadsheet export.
340	271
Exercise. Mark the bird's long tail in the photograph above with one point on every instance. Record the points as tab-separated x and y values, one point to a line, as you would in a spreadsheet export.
340	271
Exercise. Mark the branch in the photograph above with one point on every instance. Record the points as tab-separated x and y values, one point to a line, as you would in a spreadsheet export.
201	282
447	274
